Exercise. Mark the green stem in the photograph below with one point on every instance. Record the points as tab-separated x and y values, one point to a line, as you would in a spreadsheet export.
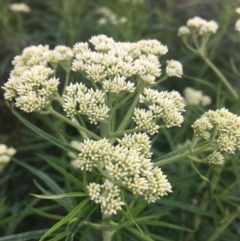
220	75
74	124
117	106
161	80
182	156
224	224
107	235
66	80
121	133
58	98
128	116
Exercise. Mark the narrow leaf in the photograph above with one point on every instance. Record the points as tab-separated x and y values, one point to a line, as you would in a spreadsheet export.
67	218
44	214
43	134
59	196
65	173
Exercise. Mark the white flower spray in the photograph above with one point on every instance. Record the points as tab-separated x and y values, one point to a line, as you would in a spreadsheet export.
111	85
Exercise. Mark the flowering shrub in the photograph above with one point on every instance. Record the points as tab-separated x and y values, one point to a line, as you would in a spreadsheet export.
111	97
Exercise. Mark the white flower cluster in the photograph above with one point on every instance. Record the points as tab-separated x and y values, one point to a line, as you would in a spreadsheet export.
126	165
174	68
33	90
88	101
107	195
196	97
110	17
198	25
116	61
237	24
225	127
215	158
5	155
19	7
31	81
59	55
164	105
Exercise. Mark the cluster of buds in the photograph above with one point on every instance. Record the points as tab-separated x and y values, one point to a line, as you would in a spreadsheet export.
125	165
237	24
167	106
198	26
196	97
197	33
108	16
5	155
32	82
223	129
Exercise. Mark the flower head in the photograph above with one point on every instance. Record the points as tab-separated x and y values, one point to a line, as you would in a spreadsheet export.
215	158
237	25
5	155
183	31
107	195
198	25
33	90
167	106
226	127
196	97
126	165
237	10
174	68
20	7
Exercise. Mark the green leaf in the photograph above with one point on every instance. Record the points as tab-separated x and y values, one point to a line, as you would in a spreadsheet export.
46	179
64	173
44	214
157	237
139	235
59	236
163	224
59	196
202	81
32	235
188	207
235	163
67	218
61	202
43	134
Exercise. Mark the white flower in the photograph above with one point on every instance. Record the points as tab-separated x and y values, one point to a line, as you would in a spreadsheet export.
20	7
200	26
102	43
183	31
226	126
196	97
164	105
107	195
125	165
145	121
31	56
206	100
215	158
174	68
5	155
192	96
237	25
237	10
208	27
196	22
